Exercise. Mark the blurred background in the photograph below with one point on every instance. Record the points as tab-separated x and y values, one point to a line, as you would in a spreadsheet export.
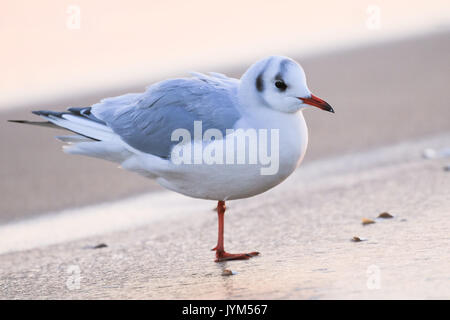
53	49
383	65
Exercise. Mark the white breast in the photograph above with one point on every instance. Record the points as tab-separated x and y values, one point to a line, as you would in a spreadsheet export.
235	181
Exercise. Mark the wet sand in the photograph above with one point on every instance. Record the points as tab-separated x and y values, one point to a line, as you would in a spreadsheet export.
302	228
391	103
382	94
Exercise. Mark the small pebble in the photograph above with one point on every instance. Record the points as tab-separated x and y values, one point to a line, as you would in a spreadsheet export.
228	272
98	246
366	221
358	239
385	215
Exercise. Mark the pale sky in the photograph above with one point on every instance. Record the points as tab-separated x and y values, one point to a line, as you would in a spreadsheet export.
54	48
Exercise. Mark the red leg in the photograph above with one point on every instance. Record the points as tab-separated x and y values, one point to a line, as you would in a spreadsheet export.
221	255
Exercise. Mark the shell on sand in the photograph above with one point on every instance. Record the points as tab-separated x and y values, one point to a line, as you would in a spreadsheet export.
385	215
366	221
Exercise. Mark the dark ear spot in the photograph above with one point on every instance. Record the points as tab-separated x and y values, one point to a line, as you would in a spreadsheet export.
259	82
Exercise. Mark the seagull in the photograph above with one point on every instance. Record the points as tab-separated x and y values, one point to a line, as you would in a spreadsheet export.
158	133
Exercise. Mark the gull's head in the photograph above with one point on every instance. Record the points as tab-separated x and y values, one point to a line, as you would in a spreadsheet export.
279	83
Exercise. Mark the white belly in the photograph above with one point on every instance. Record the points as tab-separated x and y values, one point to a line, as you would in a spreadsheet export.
234	181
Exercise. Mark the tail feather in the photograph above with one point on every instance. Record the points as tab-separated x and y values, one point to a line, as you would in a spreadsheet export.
37	123
80	123
93	137
73	139
99	149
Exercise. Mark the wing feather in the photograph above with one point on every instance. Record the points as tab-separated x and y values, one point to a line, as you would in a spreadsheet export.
146	121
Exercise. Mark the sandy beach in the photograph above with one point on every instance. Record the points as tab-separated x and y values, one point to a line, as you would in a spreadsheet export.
391	103
305	241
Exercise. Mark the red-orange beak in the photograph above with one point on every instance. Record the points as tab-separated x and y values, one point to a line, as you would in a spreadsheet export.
317	102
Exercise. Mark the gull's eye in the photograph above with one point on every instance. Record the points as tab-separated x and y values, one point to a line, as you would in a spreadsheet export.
280	85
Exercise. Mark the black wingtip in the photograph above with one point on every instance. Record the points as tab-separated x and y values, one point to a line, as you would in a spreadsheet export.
44	113
36	123
47	113
83	111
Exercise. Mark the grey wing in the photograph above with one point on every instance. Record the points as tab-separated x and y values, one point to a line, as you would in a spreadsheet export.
146	121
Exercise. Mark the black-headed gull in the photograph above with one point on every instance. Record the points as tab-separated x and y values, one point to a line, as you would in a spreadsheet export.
207	136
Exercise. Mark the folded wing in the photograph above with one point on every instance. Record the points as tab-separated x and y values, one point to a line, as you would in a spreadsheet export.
146	121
